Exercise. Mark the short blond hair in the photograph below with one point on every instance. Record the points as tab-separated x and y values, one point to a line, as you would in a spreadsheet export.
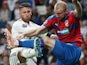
60	4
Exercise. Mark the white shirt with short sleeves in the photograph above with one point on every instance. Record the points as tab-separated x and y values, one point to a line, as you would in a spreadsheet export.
20	27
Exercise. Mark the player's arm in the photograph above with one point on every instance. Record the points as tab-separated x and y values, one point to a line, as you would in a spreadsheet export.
37	31
78	8
32	32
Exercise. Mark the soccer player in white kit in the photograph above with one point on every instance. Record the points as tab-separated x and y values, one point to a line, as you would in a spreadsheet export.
20	26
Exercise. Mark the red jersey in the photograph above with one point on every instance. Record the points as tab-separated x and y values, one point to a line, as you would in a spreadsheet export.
67	29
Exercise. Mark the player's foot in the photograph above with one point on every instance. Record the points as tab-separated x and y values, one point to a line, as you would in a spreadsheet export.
10	40
37	47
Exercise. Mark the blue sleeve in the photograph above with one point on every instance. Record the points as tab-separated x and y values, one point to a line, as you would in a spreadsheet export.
27	43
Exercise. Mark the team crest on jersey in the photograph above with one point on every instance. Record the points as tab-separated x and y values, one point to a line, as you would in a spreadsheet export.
66	23
24	25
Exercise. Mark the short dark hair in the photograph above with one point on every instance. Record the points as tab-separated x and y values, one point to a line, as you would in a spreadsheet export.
24	5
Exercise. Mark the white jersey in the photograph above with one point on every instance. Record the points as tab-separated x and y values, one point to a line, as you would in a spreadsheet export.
20	27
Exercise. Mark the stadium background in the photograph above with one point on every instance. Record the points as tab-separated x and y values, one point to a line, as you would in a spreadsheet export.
41	9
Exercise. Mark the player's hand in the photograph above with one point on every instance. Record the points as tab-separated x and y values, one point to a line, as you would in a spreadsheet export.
21	36
54	36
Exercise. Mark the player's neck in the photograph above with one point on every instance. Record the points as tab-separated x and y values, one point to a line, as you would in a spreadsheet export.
26	21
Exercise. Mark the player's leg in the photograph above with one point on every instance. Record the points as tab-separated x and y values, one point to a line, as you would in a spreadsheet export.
69	52
22	57
48	42
36	43
14	43
27	52
14	60
28	43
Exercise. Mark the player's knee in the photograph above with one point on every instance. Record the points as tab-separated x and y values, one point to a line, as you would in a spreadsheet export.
48	40
45	39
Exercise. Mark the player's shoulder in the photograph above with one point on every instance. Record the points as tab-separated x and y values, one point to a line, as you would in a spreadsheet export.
19	21
31	22
71	12
51	17
34	24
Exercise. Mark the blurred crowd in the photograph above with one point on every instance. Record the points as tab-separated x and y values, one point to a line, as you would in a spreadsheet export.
41	9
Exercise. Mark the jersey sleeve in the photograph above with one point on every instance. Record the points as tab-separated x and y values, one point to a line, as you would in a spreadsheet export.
73	14
49	22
